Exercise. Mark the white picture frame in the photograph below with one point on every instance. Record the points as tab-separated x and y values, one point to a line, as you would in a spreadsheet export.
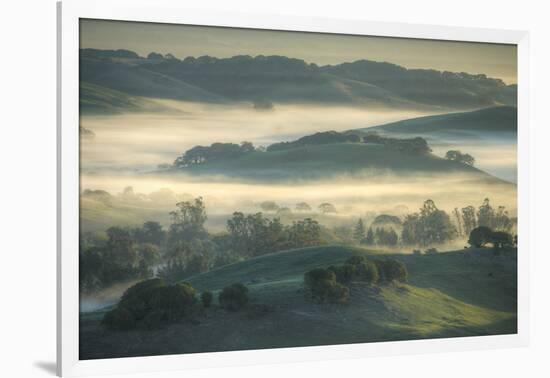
166	11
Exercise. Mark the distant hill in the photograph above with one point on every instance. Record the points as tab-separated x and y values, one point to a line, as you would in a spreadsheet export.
95	99
494	119
323	161
282	79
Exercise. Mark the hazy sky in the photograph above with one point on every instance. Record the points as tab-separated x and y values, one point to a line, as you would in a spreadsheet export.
494	60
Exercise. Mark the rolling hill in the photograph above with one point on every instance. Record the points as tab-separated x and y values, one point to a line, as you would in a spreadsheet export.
463	293
95	99
493	119
328	160
286	80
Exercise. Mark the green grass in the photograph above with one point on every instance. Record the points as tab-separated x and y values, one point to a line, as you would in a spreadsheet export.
462	293
454	290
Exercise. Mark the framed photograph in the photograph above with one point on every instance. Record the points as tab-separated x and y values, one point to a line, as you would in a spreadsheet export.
243	188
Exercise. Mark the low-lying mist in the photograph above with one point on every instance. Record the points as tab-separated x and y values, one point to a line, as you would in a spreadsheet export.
141	141
352	197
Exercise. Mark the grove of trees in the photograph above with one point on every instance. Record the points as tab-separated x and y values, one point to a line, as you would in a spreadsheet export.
456	155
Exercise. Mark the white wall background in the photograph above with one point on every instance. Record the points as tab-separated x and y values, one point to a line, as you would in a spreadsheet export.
27	207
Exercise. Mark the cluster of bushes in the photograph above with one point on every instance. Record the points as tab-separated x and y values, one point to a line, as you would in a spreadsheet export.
330	284
152	303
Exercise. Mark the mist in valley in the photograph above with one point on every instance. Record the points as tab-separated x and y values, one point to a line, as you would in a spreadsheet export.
121	185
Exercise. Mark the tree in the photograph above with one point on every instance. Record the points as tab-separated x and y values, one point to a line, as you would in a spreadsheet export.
486	214
187	228
429	226
302	206
284	211
501	239
233	297
188	220
304	233
321	286
458	220
269	206
247	147
501	220
391	238
392	270
120	248
480	236
469	219
150	303
149	253
327	208
206	298
153	233
369	239
359	232
456	155
216	151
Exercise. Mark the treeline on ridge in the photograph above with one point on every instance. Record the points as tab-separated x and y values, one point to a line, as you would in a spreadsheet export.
222	151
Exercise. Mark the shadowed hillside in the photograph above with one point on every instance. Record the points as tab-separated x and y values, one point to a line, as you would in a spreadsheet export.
464	293
287	80
318	161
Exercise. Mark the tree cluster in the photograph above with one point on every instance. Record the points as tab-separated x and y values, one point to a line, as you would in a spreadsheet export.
121	257
414	146
331	284
481	236
253	235
469	218
427	227
214	152
456	155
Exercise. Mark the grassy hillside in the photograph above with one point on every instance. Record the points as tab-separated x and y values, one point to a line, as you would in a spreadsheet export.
318	161
96	99
463	293
496	119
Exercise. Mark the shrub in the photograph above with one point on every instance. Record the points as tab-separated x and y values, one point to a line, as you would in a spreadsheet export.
322	286
337	293
361	269
151	303
391	270
367	271
206	299
344	273
233	297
